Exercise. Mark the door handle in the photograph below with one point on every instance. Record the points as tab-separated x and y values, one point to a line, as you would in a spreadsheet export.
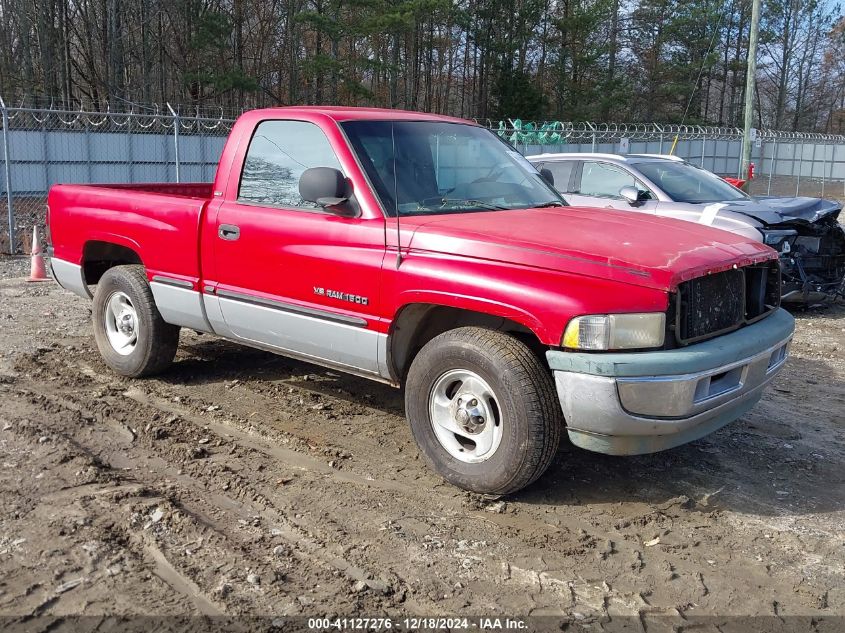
228	232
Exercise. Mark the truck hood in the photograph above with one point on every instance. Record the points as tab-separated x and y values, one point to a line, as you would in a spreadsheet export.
772	211
629	247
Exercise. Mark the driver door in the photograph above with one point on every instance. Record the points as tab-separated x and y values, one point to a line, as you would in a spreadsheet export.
290	275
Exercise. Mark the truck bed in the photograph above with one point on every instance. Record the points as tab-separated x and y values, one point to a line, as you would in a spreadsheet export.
159	220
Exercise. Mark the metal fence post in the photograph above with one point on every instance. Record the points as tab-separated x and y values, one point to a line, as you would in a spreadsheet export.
129	148
89	167
800	164
8	174
175	137
833	165
813	163
772	167
824	168
45	148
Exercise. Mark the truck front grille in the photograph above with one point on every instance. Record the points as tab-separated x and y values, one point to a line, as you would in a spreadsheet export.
718	303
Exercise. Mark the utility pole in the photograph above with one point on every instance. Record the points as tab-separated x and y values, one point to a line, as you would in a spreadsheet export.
750	83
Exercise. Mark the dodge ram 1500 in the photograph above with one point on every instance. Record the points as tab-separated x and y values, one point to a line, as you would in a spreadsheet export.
422	251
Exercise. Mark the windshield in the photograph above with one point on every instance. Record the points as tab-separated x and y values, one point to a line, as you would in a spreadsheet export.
430	167
683	182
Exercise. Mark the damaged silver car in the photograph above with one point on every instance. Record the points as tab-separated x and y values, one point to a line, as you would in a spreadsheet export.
805	231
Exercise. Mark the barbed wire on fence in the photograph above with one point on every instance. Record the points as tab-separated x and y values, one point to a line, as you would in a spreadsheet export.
28	118
154	116
563	132
118	105
515	130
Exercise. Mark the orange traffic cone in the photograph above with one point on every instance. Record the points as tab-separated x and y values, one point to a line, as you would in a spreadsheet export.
37	270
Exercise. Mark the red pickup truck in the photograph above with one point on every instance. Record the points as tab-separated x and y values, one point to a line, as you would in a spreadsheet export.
422	251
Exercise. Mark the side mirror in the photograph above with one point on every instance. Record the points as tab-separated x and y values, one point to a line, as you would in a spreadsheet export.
326	187
548	176
633	195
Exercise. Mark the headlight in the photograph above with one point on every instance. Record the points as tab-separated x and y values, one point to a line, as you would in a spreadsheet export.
778	239
616	331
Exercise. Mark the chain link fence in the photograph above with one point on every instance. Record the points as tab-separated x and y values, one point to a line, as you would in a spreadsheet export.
44	146
41	147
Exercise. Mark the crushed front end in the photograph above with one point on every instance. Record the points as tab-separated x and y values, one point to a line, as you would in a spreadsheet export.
812	257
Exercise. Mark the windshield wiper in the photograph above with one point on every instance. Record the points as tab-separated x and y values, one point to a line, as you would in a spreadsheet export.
551	203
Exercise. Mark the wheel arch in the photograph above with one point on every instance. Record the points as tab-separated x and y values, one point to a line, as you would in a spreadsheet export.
415	324
98	256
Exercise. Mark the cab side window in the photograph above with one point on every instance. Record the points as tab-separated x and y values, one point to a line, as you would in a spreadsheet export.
278	154
604	180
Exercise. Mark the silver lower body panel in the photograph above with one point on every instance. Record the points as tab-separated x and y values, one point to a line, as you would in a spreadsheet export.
180	306
349	348
70	277
346	347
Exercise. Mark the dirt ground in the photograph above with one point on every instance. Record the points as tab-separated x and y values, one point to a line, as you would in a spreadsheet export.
243	483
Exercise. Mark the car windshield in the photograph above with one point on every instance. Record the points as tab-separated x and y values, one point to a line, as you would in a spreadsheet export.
683	182
433	167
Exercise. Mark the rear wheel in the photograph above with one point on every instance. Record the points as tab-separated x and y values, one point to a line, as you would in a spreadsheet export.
483	410
132	337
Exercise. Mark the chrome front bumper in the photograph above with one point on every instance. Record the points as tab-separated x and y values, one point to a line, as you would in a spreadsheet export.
627	404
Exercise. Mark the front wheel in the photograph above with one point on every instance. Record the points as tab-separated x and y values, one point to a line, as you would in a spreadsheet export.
483	410
132	337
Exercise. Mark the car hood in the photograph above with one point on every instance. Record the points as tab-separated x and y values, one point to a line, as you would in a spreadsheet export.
633	248
773	211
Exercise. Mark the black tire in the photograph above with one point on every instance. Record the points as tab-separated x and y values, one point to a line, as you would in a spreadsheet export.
530	413
156	340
